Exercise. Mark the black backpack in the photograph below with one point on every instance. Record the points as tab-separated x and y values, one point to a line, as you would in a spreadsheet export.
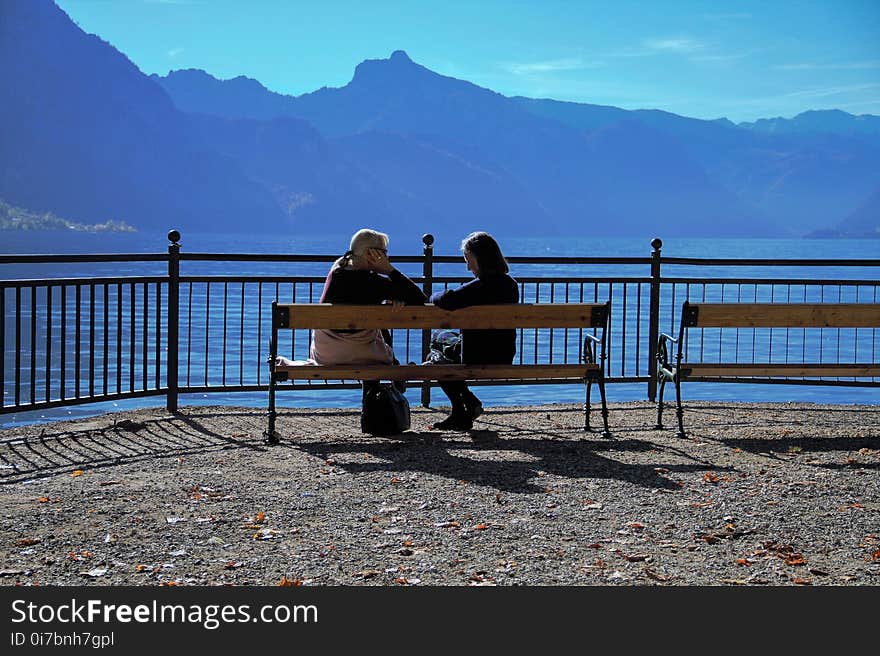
385	410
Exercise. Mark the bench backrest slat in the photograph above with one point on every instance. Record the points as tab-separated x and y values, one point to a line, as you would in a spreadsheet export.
514	315
770	315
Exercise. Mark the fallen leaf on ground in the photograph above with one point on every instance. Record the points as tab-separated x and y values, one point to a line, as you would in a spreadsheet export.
26	542
77	472
651	574
289	583
710	477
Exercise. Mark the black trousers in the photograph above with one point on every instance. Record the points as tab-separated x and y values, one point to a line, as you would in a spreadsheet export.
459	394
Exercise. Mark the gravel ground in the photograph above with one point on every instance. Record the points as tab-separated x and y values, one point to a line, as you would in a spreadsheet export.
759	494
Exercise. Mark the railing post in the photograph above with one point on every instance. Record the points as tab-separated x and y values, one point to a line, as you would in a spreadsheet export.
654	318
173	318
427	287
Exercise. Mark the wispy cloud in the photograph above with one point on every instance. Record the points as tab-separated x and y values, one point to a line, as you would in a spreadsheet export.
678	44
824	92
661	46
828	67
174	52
552	66
721	57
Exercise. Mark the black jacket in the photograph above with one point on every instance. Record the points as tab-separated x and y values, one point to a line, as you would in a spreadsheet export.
483	346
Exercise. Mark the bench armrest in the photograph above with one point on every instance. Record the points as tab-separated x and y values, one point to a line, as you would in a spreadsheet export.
668	337
589	354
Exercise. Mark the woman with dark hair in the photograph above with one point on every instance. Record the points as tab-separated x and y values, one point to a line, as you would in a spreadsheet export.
491	285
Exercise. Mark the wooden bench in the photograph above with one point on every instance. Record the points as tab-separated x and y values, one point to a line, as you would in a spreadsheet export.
760	315
589	317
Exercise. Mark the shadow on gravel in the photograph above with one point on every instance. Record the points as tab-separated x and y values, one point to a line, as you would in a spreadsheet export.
796	444
53	453
509	464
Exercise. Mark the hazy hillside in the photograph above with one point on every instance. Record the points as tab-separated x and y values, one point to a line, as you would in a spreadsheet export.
86	135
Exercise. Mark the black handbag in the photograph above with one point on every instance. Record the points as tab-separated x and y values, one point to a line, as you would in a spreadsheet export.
385	410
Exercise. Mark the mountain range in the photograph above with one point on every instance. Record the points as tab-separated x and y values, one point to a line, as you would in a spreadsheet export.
87	135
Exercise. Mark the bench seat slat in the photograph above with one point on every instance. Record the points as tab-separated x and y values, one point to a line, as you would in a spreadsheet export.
784	315
515	315
782	369
438	372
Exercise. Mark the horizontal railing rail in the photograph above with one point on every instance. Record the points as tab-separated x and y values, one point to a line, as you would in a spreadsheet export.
74	339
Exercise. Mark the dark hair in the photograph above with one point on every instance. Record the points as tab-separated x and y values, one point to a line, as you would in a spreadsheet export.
490	260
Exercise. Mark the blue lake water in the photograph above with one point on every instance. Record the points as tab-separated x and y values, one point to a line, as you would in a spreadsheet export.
246	361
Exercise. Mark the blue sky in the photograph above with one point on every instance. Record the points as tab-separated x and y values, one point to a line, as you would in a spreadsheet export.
743	60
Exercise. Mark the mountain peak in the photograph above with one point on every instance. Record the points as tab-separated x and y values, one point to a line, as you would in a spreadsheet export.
394	70
401	57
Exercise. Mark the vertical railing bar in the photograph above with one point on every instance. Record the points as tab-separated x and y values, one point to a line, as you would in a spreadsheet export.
856	331
581	330
839	288
260	330
63	344
104	357
189	325
821	330
18	346
225	307
158	335
119	338
537	300
241	340
132	335
787	330
654	301
638	327
49	319
565	331
145	371
804	331
33	362
552	300
91	340
552	297
522	297
770	347
609	347
145	345
623	335
172	325
721	333
207	326
736	330
78	336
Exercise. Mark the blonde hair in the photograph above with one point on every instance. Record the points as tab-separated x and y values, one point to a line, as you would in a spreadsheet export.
362	241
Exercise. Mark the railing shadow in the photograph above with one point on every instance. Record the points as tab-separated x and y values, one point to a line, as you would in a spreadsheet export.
50	454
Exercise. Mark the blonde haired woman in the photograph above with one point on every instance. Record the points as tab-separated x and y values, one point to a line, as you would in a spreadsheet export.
362	276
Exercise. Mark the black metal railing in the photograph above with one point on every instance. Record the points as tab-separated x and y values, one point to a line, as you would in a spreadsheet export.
74	340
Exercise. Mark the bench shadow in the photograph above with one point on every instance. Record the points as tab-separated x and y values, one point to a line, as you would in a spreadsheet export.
58	452
526	461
